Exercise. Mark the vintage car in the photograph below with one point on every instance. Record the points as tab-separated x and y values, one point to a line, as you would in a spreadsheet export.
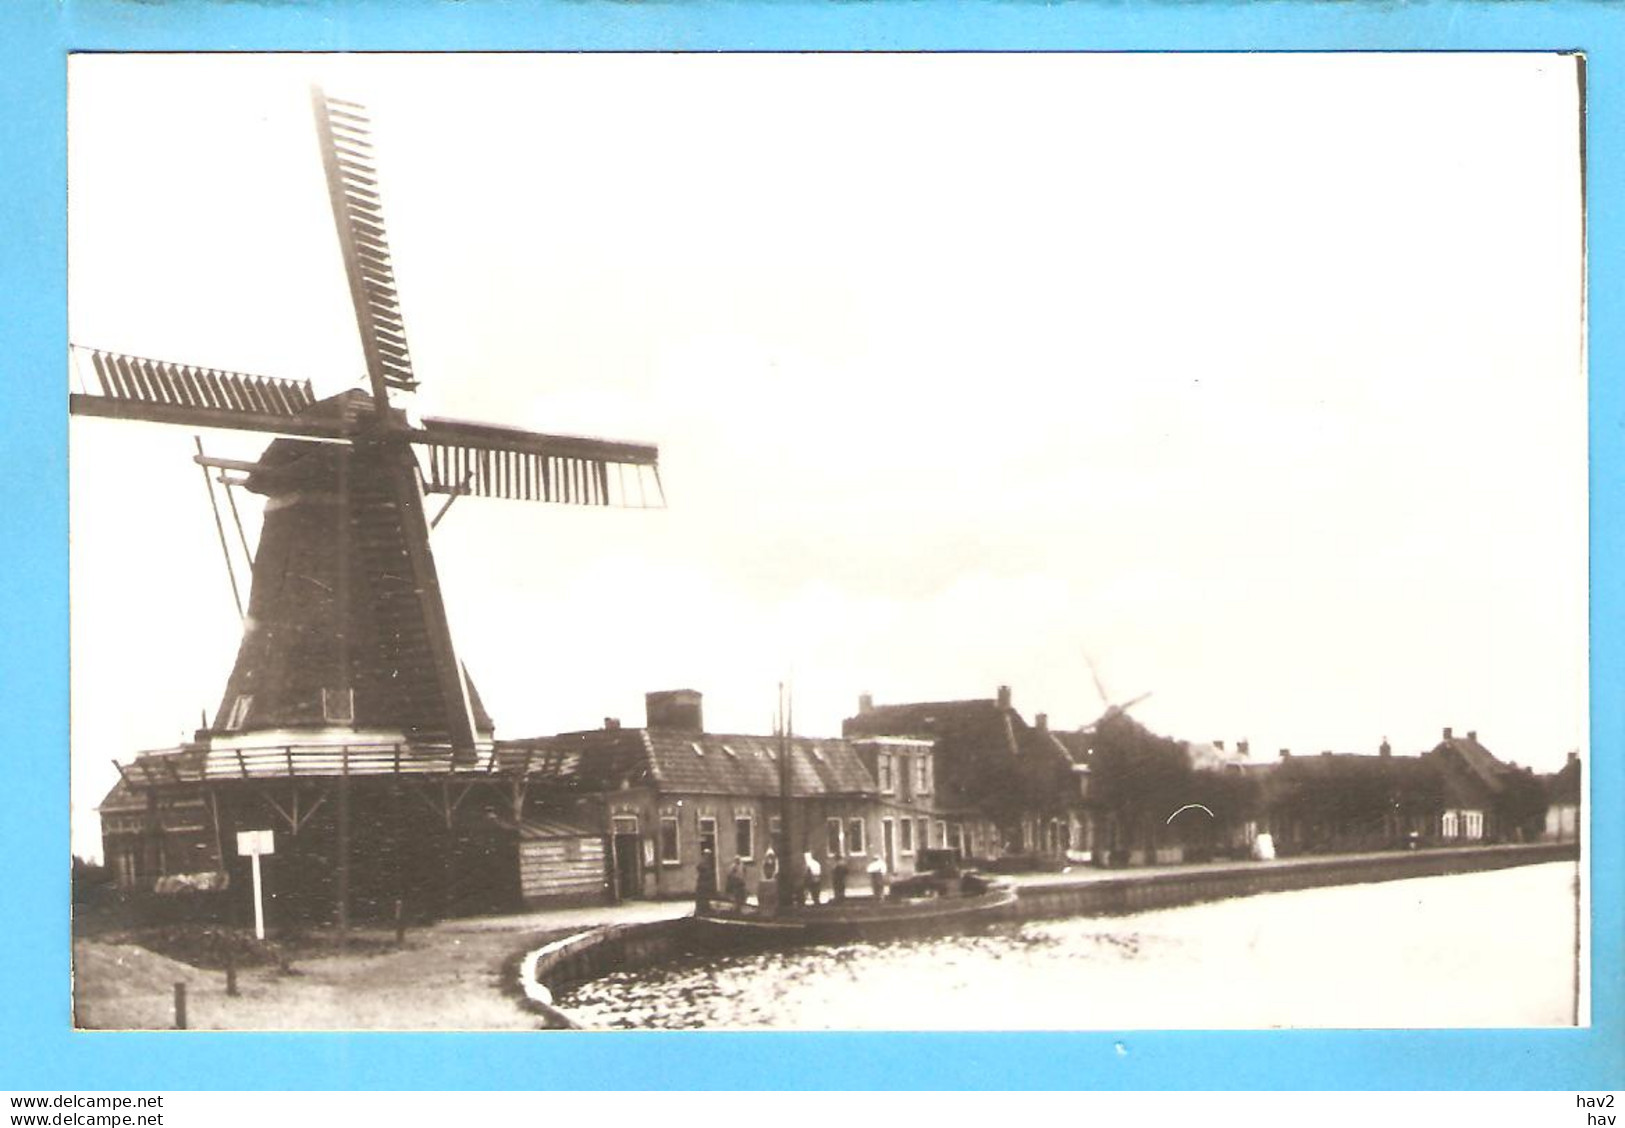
939	873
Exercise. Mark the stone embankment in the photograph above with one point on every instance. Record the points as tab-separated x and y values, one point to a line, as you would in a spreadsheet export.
626	947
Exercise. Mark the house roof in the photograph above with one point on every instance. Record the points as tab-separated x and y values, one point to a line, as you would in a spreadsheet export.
1333	765
697	763
979	722
1563	785
1477	759
153	769
1076	746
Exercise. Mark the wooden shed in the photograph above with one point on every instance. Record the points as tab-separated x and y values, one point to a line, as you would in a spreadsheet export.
561	864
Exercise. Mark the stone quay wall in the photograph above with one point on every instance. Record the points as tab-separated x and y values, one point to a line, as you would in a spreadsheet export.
558	966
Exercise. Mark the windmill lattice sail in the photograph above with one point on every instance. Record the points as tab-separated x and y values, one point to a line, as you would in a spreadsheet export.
345	134
483	461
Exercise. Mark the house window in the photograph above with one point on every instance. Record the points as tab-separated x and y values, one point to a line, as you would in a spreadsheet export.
884	762
1448	829
745	837
922	765
239	712
854	836
832	838
668	840
905	778
338	706
905	830
939	835
1475	824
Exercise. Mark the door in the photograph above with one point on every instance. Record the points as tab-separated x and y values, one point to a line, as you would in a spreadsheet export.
627	845
708	841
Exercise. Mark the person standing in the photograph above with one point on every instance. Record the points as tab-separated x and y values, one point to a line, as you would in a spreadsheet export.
705	881
815	876
837	880
877	877
736	884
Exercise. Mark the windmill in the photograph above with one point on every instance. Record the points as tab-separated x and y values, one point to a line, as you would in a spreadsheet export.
1111	709
346	665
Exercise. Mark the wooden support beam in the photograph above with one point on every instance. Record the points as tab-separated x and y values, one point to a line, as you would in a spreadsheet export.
343	876
287	817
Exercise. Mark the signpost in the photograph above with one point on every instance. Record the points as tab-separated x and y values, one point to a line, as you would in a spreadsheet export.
254	843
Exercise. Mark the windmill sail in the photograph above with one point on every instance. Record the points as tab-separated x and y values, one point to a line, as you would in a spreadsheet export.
160	391
344	132
485	461
346	625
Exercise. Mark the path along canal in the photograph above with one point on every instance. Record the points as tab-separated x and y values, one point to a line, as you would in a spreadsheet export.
1476	949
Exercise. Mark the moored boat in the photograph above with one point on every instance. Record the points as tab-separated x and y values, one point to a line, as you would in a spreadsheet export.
857	919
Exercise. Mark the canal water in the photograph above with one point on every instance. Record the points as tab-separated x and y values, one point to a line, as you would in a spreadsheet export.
1480	949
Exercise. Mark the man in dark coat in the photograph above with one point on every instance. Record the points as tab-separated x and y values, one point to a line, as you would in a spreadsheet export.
705	880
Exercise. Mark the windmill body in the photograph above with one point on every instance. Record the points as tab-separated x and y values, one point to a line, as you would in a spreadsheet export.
335	637
347	666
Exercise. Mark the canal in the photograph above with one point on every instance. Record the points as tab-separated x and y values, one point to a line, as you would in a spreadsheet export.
1479	949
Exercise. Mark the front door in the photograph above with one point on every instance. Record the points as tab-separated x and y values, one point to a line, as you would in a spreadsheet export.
627	846
708	841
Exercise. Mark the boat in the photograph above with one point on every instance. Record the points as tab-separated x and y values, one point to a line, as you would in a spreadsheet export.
857	919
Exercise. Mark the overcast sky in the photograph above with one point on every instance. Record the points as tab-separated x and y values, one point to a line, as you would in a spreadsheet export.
1259	379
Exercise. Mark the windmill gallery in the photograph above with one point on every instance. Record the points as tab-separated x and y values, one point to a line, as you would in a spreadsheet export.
349	727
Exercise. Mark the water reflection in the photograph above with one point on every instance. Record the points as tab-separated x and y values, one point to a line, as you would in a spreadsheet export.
1376	955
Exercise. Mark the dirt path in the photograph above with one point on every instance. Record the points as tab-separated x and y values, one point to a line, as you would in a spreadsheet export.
449	977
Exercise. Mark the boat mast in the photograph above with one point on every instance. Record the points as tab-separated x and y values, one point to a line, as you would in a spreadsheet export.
786	857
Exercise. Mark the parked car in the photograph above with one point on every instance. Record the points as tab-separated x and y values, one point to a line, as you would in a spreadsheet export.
939	873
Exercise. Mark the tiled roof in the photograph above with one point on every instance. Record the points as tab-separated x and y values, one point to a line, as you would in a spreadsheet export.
980	722
1477	759
1075	745
700	764
1563	786
1327	766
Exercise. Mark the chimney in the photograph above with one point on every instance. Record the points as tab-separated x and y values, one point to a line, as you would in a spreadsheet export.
1472	734
1447	732
612	722
1219	744
866	703
1286	753
675	709
1041	722
1004	697
1573	757
1242	748
1385	749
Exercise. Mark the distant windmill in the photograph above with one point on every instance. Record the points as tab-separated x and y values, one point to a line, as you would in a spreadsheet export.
346	626
1110	709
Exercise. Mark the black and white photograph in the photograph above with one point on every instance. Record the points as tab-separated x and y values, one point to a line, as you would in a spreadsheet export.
954	542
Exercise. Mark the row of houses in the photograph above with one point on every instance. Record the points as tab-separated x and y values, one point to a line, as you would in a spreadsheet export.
621	812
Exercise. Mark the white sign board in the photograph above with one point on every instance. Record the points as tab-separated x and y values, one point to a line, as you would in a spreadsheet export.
256	842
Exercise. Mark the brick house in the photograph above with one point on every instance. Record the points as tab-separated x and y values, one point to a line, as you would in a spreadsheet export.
668	793
1002	786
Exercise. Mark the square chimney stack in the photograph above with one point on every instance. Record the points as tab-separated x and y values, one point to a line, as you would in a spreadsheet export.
677	709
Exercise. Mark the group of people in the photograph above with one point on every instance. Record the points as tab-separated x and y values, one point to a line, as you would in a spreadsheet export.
812	883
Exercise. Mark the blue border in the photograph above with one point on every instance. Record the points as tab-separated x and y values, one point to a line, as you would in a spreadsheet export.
38	1049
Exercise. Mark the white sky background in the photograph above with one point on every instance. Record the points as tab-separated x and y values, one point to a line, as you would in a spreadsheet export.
1257	378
